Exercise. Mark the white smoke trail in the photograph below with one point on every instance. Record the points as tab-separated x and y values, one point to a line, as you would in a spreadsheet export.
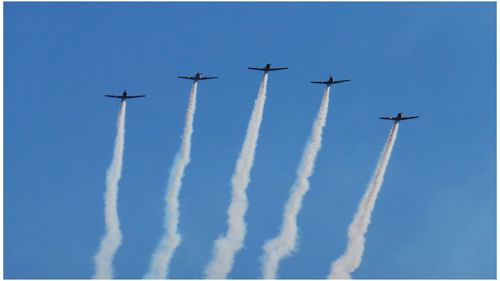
351	259
225	247
284	244
164	252
112	239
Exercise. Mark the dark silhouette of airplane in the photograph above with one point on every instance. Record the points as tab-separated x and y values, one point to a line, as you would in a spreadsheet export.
268	68
400	117
124	96
197	77
330	81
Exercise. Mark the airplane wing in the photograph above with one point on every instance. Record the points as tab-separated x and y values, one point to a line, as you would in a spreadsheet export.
206	78
319	82
277	68
341	81
186	77
256	68
133	97
409	117
387	118
113	96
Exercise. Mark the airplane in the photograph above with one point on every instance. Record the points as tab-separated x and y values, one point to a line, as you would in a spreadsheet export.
400	117
124	96
268	68
330	81
197	77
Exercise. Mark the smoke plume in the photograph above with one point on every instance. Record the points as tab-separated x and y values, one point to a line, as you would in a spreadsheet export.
225	247
284	244
164	252
351	259
112	239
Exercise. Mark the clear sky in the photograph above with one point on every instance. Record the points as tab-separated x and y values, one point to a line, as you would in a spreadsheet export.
435	216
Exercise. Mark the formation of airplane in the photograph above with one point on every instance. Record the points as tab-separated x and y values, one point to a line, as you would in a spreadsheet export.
399	117
124	96
268	68
197	76
331	80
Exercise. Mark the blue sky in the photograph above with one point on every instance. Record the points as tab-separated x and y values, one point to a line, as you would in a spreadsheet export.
435	216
